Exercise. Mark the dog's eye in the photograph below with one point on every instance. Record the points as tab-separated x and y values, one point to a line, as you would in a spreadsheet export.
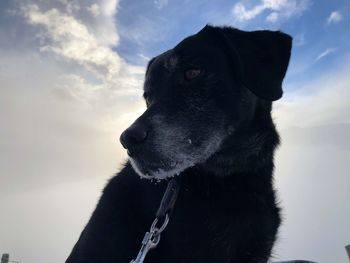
192	73
146	96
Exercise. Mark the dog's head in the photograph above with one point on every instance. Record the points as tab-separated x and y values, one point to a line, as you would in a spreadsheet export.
202	92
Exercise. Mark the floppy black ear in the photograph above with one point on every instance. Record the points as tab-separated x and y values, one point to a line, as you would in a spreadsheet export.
260	57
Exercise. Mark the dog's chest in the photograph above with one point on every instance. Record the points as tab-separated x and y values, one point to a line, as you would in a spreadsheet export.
215	221
200	229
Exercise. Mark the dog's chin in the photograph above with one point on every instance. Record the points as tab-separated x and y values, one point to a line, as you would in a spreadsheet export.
160	172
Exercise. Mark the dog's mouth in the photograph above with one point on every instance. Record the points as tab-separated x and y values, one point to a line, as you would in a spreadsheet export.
159	170
169	163
170	149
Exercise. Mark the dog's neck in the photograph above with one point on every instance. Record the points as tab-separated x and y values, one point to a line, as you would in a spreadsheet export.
247	151
229	172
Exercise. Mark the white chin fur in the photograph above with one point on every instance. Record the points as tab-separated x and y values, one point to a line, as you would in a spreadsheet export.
161	174
180	159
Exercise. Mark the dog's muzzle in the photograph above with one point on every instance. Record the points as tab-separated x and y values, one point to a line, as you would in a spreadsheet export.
133	137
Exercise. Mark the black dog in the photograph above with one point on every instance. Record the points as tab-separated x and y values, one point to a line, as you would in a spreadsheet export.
208	119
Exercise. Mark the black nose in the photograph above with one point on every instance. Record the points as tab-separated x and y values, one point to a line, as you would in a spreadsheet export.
134	135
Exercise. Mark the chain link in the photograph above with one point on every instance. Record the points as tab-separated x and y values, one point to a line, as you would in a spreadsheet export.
151	239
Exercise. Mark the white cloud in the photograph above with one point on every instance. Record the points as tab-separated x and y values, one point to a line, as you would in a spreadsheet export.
33	213
71	77
321	102
94	9
146	30
277	9
312	167
144	57
334	17
58	125
69	38
273	17
70	6
65	97
160	4
325	53
109	8
299	40
241	13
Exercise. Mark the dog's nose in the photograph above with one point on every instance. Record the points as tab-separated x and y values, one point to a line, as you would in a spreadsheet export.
133	136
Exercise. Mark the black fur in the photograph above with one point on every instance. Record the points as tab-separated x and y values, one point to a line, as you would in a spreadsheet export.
226	210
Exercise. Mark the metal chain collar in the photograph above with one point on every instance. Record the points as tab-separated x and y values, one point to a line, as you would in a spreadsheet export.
152	238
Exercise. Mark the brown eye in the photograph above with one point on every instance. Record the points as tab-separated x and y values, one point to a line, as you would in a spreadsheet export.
192	73
146	96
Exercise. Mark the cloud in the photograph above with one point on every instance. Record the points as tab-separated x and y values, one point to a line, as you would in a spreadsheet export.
70	39
145	30
321	102
299	40
65	97
94	9
272	17
50	213
160	4
334	17
70	6
64	88
144	57
241	13
325	53
312	165
277	9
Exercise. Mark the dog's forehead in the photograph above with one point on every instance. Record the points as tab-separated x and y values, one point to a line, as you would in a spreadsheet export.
196	46
188	43
200	44
167	60
156	69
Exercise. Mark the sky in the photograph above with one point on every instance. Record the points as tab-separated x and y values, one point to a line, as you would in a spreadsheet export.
71	76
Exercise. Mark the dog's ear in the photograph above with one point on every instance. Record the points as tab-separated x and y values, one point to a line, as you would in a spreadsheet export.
259	57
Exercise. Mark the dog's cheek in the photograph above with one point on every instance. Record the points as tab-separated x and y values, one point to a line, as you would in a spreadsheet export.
188	139
169	139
